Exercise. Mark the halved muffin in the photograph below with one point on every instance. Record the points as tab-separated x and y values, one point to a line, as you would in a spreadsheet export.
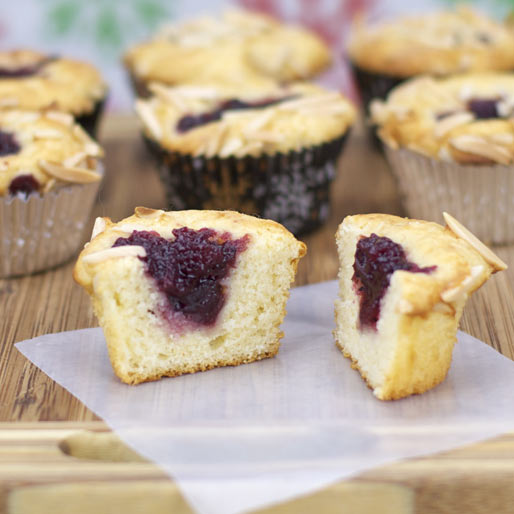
186	291
402	288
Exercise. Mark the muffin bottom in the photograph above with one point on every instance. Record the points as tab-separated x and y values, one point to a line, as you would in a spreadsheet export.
43	231
480	195
89	121
292	189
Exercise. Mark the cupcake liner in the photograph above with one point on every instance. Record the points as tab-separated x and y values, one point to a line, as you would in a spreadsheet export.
291	188
480	196
139	87
373	85
42	231
89	121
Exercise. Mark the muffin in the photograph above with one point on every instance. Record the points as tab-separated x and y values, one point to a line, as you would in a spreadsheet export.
186	291
34	81
233	49
266	151
450	142
49	177
437	44
402	287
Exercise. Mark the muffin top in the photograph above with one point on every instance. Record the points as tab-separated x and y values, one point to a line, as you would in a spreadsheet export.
466	119
223	122
437	44
31	80
232	49
40	151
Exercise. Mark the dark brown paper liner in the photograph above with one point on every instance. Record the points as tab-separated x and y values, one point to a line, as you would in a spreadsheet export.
89	121
139	86
373	85
291	188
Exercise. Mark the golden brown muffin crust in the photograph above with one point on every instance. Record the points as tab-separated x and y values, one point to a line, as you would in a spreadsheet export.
437	118
307	115
258	48
439	43
53	149
62	84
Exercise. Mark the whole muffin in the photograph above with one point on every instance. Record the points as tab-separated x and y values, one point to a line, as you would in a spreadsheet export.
34	81
265	151
232	49
49	177
450	142
438	44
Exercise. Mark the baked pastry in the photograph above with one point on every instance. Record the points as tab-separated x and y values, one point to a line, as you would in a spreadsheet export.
268	151
441	43
233	49
35	81
402	287
186	291
49	176
450	142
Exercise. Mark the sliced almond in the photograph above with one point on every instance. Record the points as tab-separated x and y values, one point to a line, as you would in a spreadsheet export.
502	138
146	212
98	227
47	134
73	160
461	231
9	102
114	253
60	117
150	121
230	146
450	122
477	145
71	174
443	308
49	185
268	137
468	284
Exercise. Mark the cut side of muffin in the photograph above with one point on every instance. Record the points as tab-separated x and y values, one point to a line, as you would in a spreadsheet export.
402	288
186	291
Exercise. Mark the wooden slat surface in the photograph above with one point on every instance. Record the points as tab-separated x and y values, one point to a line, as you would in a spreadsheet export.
50	302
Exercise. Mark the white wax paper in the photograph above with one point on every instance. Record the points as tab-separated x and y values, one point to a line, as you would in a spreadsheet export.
238	438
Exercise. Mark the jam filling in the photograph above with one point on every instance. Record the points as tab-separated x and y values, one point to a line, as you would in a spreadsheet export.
484	108
191	121
24	71
23	184
189	269
8	144
376	259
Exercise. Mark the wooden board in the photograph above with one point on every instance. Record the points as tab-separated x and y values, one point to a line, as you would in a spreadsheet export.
82	468
35	471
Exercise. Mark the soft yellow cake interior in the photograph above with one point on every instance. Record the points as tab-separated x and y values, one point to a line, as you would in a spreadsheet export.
411	349
142	344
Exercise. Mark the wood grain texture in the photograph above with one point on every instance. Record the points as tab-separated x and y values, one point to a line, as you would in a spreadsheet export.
51	463
85	469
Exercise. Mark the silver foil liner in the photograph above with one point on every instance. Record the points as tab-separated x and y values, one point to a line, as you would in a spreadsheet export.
480	196
42	231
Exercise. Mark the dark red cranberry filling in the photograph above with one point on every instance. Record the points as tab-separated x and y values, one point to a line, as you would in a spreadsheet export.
190	269
191	121
376	259
484	108
23	184
8	144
